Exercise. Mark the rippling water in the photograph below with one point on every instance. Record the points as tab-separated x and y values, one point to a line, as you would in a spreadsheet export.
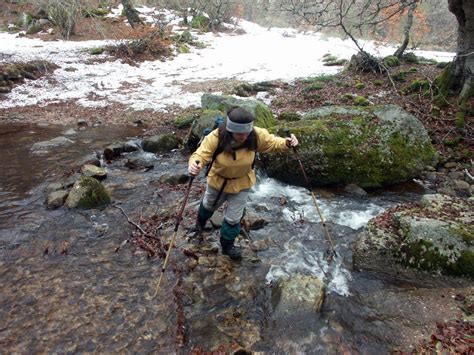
66	289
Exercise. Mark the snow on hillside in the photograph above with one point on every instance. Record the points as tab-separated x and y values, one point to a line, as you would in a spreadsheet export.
260	54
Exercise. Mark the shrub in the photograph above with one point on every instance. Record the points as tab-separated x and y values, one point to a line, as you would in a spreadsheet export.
391	61
96	50
63	14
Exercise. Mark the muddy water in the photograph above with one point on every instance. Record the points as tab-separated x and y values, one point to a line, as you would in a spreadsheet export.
66	289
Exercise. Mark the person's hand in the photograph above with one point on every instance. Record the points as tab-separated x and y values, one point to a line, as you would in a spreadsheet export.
292	141
194	168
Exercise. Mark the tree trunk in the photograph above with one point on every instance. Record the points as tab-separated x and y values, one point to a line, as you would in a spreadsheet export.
406	31
464	61
131	13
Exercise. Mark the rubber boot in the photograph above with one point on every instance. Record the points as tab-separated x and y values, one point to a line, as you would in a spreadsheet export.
203	216
228	248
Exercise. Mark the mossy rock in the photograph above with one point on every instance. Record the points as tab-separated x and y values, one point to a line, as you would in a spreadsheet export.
184	121
205	122
87	192
377	146
391	61
161	143
436	245
263	115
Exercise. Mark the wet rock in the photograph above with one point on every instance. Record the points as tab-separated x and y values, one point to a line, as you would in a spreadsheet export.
94	171
355	190
162	143
138	164
81	123
53	143
56	199
87	192
174	179
55	186
70	132
69	182
298	294
117	149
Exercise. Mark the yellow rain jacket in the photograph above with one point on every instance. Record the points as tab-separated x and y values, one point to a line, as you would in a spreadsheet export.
239	172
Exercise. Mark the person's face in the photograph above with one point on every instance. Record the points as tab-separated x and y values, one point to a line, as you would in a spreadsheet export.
240	137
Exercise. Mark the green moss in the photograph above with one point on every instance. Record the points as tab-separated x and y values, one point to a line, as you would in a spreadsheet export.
264	117
289	116
184	121
453	142
391	61
400	76
347	97
96	195
314	87
324	78
442	83
361	101
417	85
200	22
378	82
465	232
422	255
410	58
464	265
359	86
460	119
96	50
412	70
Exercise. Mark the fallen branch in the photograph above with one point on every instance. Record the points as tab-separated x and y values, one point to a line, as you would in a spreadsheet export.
135	224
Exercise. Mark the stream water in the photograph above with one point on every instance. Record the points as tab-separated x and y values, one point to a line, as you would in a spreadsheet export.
66	289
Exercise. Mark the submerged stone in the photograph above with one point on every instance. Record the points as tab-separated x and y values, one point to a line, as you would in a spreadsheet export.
298	294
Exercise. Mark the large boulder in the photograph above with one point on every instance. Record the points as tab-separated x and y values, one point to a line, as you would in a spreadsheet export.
436	235
205	121
262	113
87	192
161	143
370	146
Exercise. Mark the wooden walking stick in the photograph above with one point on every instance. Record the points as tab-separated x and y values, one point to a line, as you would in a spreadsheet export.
173	238
326	230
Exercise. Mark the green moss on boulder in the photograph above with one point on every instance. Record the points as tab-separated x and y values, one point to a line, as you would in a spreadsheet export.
161	143
376	146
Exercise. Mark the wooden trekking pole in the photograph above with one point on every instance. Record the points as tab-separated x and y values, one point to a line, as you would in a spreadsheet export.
326	230
173	238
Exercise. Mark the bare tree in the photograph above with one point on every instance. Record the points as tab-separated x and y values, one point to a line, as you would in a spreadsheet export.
131	13
406	31
350	16
463	65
